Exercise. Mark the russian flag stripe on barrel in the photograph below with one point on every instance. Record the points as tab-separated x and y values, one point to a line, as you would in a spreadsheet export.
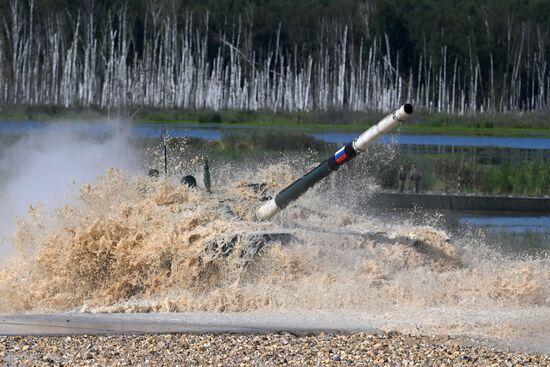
340	156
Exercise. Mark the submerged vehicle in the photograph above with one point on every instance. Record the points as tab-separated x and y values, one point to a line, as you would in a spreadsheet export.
225	245
247	244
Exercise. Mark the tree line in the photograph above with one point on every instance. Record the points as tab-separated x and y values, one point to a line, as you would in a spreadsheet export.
445	56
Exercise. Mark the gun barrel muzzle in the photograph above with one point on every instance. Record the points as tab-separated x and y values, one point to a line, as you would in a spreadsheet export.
343	155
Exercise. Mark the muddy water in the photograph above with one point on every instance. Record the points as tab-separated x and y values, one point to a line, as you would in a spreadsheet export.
128	243
134	244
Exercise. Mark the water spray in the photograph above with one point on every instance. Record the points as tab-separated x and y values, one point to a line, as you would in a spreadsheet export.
343	155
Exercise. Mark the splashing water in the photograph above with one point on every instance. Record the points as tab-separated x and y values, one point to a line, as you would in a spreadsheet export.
134	244
39	169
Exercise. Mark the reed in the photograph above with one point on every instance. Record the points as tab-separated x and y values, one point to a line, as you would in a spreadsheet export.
178	62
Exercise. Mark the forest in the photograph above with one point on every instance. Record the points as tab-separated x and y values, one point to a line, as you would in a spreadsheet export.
455	57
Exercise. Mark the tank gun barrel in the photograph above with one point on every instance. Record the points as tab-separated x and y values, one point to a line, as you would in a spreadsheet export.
343	155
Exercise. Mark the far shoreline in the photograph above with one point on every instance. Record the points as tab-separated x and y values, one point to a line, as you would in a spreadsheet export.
513	124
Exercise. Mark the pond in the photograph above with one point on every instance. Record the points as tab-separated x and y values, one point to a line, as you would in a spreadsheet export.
512	223
215	132
522	234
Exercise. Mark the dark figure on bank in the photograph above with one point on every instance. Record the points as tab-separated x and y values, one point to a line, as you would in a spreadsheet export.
189	181
402	177
206	177
153	173
416	176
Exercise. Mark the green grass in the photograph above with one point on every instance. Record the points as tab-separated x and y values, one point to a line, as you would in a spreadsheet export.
512	125
50	113
465	173
474	131
509	124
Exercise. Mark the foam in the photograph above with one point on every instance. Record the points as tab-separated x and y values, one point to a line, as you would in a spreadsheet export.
135	244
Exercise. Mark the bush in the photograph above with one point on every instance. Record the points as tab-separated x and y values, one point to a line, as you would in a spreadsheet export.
212	118
458	173
273	141
525	178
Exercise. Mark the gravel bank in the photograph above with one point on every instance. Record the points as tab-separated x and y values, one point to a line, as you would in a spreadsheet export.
258	350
